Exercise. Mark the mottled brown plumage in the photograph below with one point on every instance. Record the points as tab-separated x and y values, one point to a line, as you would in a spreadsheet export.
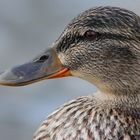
102	46
111	61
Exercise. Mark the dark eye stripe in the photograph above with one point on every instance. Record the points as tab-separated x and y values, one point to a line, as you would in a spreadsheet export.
69	39
115	37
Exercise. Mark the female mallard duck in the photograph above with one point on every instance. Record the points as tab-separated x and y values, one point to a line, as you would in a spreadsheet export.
102	46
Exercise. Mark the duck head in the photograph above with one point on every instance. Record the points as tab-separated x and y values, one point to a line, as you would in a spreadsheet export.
101	45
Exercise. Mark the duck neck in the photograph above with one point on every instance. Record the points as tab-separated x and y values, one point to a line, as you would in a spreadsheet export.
117	88
131	91
121	98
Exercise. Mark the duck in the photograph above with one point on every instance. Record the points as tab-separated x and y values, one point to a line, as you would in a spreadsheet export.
102	46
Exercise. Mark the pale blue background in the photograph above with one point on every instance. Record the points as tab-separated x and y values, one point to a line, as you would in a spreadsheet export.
27	27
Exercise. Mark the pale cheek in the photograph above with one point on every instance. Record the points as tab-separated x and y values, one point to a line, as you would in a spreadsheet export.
81	75
77	74
90	78
62	58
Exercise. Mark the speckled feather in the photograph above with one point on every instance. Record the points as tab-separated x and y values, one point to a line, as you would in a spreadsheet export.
89	118
111	61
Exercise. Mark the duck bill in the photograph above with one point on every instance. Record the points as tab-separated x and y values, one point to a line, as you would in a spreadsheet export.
43	67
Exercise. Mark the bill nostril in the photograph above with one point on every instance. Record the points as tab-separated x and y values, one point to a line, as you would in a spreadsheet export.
42	58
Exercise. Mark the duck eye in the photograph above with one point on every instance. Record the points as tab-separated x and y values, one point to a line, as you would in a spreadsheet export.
90	35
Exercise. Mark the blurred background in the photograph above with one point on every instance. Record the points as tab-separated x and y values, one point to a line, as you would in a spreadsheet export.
27	27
